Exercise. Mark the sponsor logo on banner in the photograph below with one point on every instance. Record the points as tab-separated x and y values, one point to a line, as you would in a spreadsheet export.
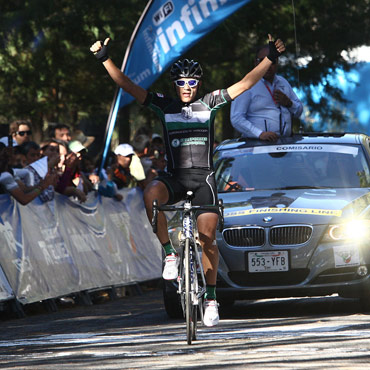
302	211
166	31
163	12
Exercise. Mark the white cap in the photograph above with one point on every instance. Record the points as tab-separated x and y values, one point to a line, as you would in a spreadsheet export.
124	150
155	135
75	146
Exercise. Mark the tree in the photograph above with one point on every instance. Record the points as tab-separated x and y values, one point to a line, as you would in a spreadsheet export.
48	73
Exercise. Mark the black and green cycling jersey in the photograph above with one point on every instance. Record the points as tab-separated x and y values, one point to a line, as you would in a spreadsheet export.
188	129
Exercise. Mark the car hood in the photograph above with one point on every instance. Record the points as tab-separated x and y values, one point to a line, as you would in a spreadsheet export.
313	206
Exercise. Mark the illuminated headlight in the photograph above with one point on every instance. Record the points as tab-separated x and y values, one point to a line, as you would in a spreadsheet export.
355	230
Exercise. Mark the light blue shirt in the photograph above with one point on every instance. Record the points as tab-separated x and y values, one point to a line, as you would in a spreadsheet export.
255	111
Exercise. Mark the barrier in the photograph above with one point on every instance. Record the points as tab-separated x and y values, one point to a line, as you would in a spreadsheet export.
61	247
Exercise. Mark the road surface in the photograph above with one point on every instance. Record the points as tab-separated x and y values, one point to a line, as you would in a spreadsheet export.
134	332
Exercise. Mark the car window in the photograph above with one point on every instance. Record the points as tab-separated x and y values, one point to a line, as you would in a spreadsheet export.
298	165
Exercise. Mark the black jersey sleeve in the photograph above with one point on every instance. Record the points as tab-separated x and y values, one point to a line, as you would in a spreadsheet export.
216	99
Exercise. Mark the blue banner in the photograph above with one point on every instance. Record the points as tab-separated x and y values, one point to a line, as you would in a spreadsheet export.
169	28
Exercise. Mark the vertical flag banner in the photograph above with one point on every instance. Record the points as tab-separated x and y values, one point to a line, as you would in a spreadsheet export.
166	29
169	28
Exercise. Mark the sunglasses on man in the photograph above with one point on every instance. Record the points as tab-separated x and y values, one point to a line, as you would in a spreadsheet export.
182	83
22	133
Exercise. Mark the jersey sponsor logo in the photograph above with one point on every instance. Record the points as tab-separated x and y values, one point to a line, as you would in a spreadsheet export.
194	141
175	143
160	95
196	117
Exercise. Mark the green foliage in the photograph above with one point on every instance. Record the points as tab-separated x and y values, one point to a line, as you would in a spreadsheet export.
48	73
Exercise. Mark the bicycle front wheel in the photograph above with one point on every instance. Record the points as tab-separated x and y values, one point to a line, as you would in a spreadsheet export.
194	306
189	308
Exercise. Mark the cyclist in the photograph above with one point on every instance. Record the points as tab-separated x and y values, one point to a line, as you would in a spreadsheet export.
189	136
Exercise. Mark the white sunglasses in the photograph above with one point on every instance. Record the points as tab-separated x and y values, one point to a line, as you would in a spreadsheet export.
191	83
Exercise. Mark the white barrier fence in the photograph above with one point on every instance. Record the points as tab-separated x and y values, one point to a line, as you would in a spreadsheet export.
52	249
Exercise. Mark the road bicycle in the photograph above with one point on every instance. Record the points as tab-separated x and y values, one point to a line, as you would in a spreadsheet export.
191	280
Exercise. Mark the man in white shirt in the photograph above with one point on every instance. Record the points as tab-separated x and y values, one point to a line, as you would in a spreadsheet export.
265	111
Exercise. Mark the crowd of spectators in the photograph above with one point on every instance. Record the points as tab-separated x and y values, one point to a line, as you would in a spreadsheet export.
68	163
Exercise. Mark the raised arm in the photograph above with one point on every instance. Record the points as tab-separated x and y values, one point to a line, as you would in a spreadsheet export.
100	50
251	78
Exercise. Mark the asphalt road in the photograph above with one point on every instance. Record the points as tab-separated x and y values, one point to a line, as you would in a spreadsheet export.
133	332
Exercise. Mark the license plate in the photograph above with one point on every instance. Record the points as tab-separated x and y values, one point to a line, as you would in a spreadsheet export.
268	261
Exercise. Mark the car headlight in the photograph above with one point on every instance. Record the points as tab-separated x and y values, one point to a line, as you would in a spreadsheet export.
353	230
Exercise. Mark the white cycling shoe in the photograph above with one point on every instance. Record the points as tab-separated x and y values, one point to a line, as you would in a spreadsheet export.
211	317
171	267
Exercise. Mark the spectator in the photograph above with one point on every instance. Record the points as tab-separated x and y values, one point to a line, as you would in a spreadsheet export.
65	185
18	158
63	152
265	111
141	165
50	149
143	130
8	184
31	151
21	132
122	175
157	140
88	168
76	146
107	187
66	168
39	167
80	180
17	163
157	155
36	169
60	131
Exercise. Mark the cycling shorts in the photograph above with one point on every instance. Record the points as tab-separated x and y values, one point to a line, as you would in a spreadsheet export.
200	181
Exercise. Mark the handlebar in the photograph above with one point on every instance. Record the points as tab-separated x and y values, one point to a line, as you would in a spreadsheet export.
166	208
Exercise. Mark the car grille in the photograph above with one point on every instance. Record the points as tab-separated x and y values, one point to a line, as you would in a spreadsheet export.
278	235
245	236
290	235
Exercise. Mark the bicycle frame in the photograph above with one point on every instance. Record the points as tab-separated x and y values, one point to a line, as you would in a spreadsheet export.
197	290
190	288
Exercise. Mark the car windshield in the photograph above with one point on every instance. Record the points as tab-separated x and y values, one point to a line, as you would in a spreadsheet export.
291	166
